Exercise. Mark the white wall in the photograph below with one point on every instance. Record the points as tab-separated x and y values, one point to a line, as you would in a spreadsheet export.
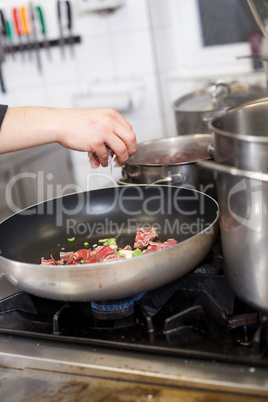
116	48
131	50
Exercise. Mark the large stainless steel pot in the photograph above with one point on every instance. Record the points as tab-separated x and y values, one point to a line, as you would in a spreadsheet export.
243	202
241	136
194	111
139	169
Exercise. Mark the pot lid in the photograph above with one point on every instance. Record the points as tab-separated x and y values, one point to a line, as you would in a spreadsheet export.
168	151
219	96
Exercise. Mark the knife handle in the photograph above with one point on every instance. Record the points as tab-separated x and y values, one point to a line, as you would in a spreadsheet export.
9	30
2	84
69	15
24	21
41	18
3	23
59	10
16	21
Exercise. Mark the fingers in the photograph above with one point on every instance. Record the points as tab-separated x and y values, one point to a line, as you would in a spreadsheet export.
100	156
103	152
128	137
93	160
117	134
93	130
104	161
120	150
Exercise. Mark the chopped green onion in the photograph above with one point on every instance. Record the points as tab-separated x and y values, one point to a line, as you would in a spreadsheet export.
86	243
71	239
138	252
108	242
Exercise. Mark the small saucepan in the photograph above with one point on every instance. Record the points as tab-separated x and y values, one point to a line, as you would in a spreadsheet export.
171	161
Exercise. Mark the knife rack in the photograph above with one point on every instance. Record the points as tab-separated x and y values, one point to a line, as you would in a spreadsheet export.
70	40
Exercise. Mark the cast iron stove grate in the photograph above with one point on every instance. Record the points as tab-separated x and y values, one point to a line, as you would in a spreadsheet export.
196	316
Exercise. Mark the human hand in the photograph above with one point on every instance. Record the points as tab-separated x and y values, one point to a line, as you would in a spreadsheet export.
101	132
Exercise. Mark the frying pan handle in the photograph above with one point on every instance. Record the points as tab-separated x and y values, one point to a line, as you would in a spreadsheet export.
232	170
174	179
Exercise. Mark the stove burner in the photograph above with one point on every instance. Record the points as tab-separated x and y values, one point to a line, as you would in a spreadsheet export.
196	316
114	309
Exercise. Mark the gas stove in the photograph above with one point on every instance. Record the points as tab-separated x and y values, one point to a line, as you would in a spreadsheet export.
191	333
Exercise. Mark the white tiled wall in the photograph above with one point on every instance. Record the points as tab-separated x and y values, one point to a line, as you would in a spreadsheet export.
114	47
133	44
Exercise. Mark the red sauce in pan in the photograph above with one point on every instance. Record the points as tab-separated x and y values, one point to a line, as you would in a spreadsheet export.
178	157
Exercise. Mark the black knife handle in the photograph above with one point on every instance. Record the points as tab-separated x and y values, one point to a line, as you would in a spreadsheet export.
59	10
2	85
69	14
3	23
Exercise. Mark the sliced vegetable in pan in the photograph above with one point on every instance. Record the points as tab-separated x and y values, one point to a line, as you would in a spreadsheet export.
145	242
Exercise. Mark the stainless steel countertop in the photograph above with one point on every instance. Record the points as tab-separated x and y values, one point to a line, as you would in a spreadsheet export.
80	361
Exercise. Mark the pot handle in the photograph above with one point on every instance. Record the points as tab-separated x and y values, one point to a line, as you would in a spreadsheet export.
211	150
232	170
206	119
123	181
174	179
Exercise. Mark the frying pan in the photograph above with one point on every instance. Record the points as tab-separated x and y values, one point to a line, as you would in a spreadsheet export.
187	215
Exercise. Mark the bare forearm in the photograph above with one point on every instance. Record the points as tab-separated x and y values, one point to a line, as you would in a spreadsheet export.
26	127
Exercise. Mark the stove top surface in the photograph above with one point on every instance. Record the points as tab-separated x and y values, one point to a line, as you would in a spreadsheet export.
197	316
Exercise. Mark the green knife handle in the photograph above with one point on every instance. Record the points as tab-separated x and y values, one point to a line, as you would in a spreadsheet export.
41	17
9	30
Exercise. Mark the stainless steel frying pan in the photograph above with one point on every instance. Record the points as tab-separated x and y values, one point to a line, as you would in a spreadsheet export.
187	215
